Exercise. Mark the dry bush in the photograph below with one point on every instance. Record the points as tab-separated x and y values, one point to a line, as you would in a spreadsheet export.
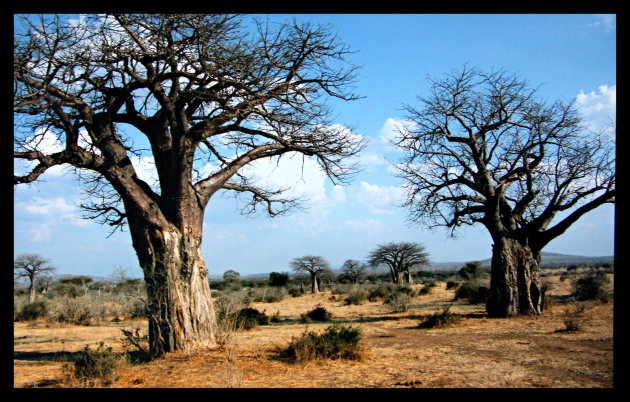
231	375
317	314
94	367
439	319
398	302
575	316
31	311
267	295
356	297
79	310
226	310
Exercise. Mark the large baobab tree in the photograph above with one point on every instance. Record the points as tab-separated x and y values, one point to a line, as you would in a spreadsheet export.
32	267
204	97
483	149
315	265
400	258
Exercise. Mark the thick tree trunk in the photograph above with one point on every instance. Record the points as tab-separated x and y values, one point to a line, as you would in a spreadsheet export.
515	282
315	284
31	292
400	278
180	311
409	277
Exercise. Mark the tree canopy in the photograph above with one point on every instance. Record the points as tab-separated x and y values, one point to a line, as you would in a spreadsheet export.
482	148
400	258
208	96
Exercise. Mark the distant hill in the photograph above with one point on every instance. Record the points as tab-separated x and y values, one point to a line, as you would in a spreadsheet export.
549	261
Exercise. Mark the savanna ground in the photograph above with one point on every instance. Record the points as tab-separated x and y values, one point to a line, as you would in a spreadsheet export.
473	352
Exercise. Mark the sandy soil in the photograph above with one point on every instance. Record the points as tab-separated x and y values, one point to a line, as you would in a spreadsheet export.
475	352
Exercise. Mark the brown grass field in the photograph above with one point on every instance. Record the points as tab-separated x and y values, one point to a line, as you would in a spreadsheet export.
474	352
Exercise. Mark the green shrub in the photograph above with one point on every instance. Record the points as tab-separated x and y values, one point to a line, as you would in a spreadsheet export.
472	291
356	298
452	284
382	292
317	314
295	291
278	279
67	289
98	365
591	287
440	319
249	318
426	290
33	311
336	342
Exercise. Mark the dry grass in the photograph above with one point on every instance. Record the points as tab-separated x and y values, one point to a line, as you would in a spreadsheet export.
474	352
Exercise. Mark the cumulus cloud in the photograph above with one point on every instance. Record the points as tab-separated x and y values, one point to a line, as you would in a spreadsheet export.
380	199
301	176
599	109
392	127
54	206
338	194
50	212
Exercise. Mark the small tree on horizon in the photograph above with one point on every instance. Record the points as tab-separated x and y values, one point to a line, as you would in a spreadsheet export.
400	258
231	276
353	269
314	265
31	266
278	279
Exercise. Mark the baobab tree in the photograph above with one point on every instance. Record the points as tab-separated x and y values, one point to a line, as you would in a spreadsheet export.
203	97
314	265
482	149
400	258
354	269
32	267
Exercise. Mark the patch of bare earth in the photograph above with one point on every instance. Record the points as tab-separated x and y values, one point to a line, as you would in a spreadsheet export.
474	352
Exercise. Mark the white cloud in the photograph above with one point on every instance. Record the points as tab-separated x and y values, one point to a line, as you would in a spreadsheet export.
50	212
598	109
371	160
607	21
392	127
338	194
145	169
40	232
301	176
42	206
380	199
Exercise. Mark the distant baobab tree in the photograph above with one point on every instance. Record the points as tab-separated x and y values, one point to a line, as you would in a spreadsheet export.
482	149
400	258
316	266
354	269
32	267
203	97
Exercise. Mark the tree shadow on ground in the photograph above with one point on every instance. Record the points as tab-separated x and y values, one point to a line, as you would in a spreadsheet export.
61	356
135	356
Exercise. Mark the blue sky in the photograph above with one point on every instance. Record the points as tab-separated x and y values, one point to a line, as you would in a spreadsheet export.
572	57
